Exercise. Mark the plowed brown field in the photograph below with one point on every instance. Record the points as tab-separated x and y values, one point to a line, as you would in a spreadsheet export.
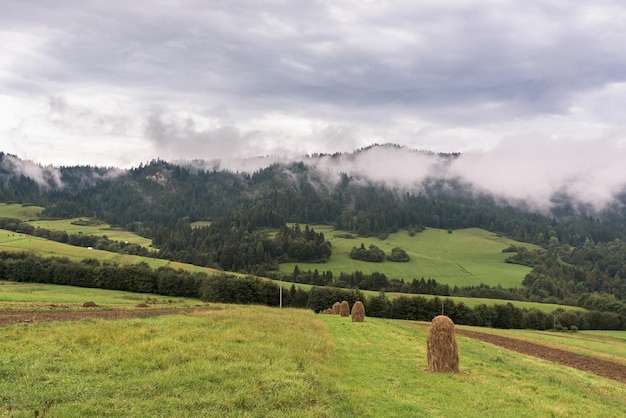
589	364
16	317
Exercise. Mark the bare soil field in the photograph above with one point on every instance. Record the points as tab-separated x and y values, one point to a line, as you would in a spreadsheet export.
593	365
17	317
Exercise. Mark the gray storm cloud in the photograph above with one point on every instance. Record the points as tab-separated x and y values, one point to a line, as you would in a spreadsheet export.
181	137
530	92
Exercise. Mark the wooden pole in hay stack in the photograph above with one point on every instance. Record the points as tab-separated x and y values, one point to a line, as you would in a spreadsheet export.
442	352
344	308
358	312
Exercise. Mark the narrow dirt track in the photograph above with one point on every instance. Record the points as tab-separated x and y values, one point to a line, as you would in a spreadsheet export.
593	365
17	317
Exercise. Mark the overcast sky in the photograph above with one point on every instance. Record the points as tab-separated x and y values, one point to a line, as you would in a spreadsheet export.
512	84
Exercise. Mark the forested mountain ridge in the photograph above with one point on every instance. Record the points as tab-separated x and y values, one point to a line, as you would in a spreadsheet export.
584	247
160	194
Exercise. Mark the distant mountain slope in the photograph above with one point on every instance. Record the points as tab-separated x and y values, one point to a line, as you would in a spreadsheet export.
371	192
367	192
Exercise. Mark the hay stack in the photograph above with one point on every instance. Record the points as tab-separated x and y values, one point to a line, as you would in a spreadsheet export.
358	312
335	308
344	308
442	352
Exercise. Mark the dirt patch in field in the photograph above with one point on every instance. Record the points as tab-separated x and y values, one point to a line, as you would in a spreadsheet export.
593	365
17	317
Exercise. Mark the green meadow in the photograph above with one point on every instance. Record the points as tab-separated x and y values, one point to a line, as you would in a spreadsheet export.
444	252
76	226
40	296
613	334
30	214
14	210
13	241
252	361
465	257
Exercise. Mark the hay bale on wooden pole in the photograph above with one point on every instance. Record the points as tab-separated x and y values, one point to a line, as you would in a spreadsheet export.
344	308
358	312
335	308
442	352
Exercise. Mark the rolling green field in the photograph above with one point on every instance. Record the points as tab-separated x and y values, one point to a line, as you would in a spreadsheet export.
612	334
13	241
469	248
464	258
25	213
30	214
249	361
70	226
38	295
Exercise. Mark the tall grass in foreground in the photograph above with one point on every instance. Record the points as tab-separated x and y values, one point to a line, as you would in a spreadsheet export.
257	361
242	361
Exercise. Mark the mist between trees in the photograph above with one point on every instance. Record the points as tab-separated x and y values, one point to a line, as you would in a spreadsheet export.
225	288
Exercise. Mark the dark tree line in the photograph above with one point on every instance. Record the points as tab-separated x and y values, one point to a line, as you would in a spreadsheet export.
23	267
240	242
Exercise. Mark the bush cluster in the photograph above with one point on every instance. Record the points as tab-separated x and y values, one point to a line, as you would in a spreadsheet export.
372	254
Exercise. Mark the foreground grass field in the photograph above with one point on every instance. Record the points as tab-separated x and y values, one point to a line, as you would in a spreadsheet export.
256	361
463	258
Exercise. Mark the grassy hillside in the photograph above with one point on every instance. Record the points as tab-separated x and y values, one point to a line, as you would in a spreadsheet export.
465	257
30	214
12	241
37	295
76	226
25	213
257	361
473	249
